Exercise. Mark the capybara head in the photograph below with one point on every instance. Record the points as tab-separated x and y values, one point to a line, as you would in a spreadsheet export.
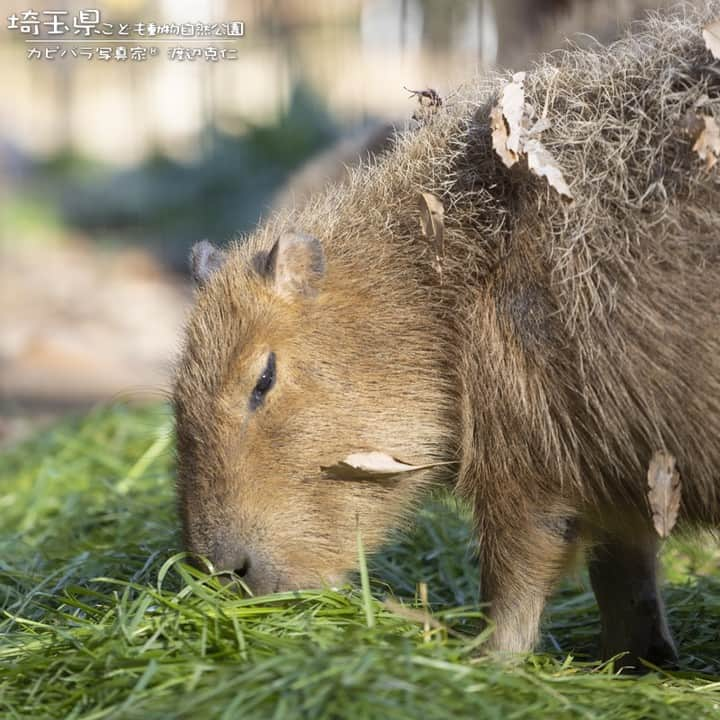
295	358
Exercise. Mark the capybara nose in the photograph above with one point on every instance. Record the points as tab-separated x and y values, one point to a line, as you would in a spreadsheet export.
244	567
232	564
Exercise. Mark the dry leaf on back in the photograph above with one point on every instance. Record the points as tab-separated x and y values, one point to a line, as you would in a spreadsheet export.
374	464
711	36
432	220
707	145
513	107
507	120
664	490
543	164
500	137
514	135
540	126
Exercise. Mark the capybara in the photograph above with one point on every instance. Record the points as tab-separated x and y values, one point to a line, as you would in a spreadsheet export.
543	356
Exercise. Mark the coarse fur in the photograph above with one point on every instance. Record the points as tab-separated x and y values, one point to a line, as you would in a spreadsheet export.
560	347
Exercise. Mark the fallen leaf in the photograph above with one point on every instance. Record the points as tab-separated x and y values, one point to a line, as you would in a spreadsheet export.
664	490
374	464
432	221
499	129
515	135
707	145
543	164
513	107
509	121
540	126
711	36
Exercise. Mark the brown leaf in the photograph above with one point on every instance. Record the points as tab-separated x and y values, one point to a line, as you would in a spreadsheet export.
664	489
711	36
514	135
515	112
543	164
540	126
432	221
509	120
707	145
499	129
373	464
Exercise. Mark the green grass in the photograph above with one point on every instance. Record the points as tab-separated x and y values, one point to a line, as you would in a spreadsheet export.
99	618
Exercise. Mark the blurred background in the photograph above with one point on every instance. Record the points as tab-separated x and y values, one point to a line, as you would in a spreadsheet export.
111	168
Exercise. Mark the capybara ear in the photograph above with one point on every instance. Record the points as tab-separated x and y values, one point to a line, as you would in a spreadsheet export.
296	265
205	259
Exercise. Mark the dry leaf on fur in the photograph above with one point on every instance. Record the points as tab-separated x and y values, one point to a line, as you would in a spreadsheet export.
664	490
515	112
514	135
432	221
374	464
711	36
543	164
508	120
540	126
707	145
499	129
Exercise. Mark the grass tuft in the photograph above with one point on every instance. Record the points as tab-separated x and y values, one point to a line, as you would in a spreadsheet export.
101	618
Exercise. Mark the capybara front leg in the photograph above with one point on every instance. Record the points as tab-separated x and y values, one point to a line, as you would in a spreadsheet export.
520	565
624	578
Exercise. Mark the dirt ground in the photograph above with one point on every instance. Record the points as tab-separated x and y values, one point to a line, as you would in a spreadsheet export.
81	325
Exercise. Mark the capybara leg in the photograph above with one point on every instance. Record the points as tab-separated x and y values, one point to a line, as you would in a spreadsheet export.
624	578
519	568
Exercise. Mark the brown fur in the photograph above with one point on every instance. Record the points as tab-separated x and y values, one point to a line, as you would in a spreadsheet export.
562	348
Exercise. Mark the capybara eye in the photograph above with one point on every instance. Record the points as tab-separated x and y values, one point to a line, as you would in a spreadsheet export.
264	383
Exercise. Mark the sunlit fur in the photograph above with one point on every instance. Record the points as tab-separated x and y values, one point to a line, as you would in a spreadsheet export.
560	348
254	479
